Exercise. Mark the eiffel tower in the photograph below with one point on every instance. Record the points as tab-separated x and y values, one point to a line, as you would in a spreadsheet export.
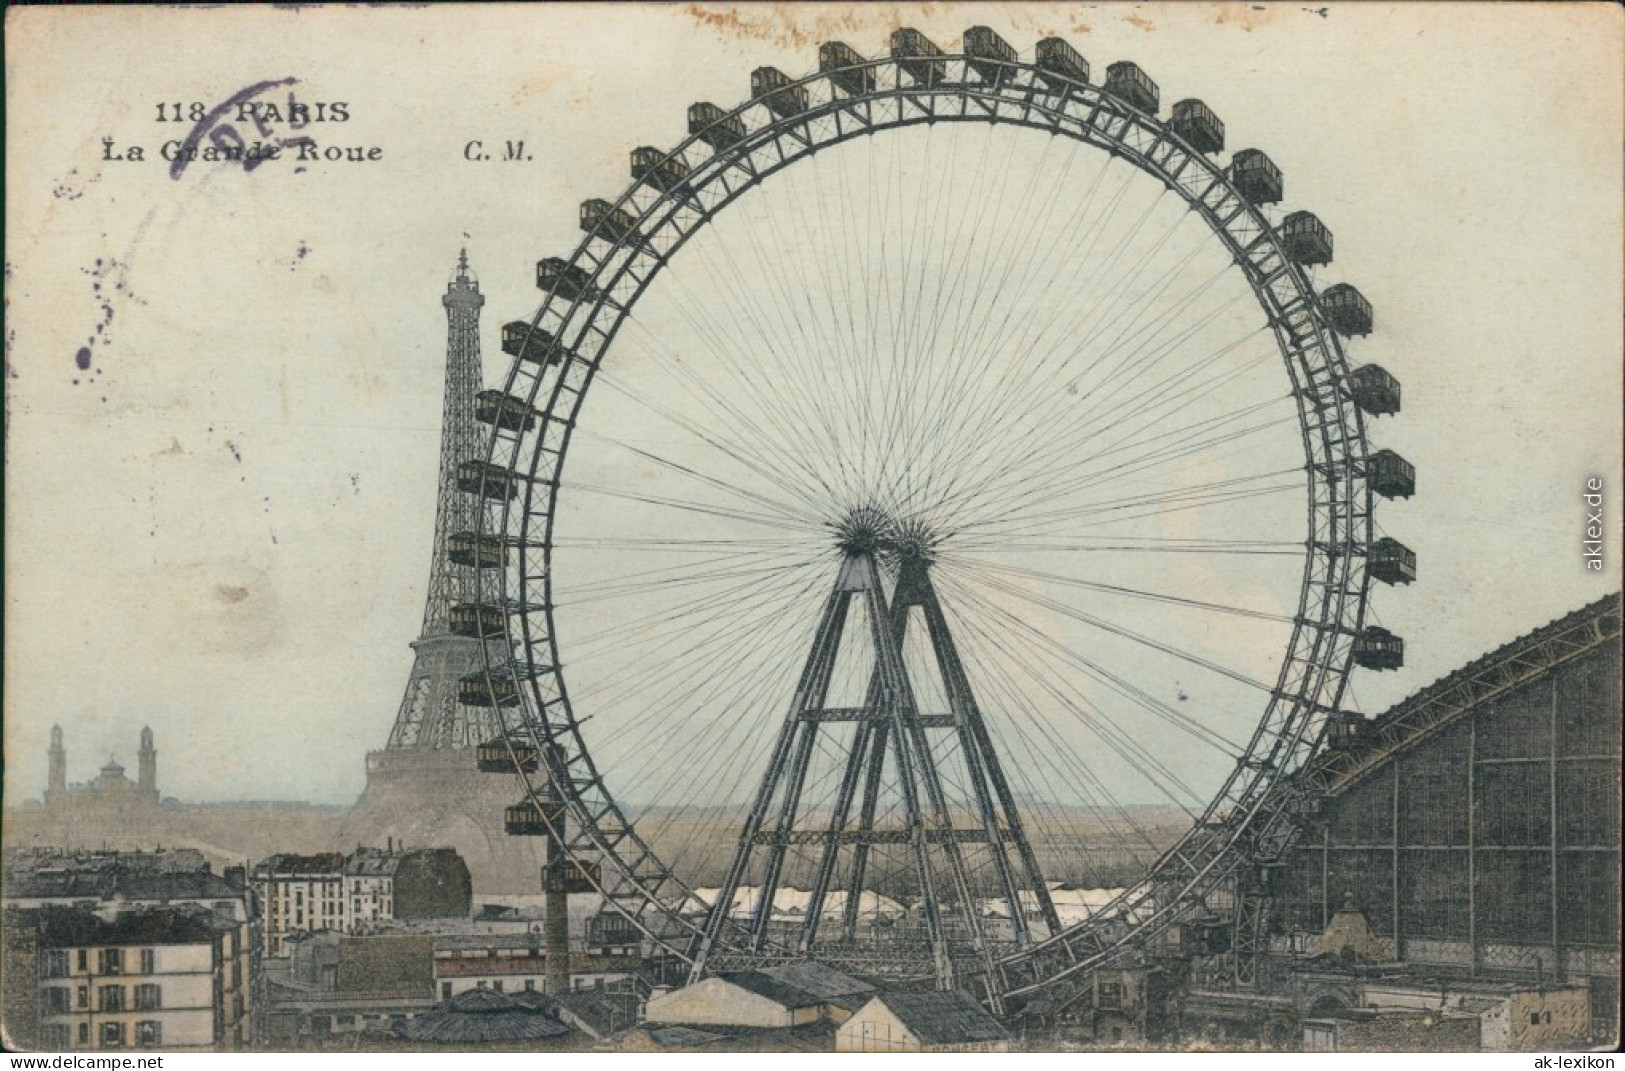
424	788
924	786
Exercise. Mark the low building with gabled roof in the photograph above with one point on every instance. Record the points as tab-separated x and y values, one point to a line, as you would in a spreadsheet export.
787	995
921	1022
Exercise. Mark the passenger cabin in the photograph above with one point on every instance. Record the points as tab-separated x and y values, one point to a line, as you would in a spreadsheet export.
571	876
476	551
1195	122
478	690
610	933
987	53
504	411
603	219
1059	64
658	169
1374	390
1306	239
1132	86
845	68
1256	177
486	479
1343	728
558	276
1390	475
527	818
1347	309
714	126
476	620
1206	935
521	340
917	56
508	754
1377	648
1391	561
773	87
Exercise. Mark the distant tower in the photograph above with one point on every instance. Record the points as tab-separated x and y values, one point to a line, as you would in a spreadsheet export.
424	787
56	788
431	718
147	778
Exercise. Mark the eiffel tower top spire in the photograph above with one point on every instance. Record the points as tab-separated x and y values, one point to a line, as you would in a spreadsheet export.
431	715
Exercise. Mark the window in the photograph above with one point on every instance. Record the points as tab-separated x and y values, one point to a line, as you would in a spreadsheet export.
1534	1018
530	985
149	961
84	959
57	1036
84	1033
84	996
497	985
54	964
56	1000
1111	994
445	990
112	1035
147	998
110	961
149	1033
110	998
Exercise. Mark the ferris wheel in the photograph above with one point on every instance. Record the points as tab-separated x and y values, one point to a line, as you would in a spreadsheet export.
957	332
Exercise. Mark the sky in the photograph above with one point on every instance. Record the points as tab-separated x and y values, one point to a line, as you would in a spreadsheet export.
223	388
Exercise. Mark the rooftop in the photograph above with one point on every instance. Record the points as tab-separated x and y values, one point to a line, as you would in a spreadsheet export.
943	1018
283	864
73	928
484	1016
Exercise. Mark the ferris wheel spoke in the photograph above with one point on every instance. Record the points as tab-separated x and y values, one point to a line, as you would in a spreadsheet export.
1052	753
1120	741
773	462
1139	466
1134	507
721	696
965	351
1066	436
1134	545
950	445
689	628
689	471
671	578
775	458
722	355
1051	431
1117	589
677	504
1082	617
1113	680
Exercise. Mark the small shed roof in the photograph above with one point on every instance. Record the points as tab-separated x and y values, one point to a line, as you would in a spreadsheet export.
484	1016
822	982
943	1018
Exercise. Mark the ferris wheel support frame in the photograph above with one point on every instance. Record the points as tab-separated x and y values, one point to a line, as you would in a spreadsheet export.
608	273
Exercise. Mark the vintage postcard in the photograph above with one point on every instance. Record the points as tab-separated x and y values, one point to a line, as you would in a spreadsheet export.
823	528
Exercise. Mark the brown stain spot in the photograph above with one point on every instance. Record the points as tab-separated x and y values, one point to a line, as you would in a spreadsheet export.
230	593
1247	17
174	449
1138	20
791	27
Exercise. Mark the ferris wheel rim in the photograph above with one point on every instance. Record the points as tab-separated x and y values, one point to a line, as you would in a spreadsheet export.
1333	543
